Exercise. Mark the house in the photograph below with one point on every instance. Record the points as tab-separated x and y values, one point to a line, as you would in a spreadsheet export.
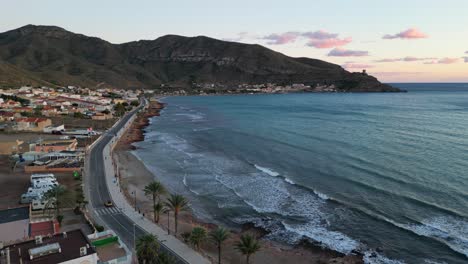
14	225
49	111
67	247
109	249
32	124
8	116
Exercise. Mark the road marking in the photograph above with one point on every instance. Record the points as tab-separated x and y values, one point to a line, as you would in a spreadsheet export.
108	211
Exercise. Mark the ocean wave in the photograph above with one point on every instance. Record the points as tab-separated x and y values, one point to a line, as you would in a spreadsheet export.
449	230
330	239
321	195
289	181
192	117
268	171
372	257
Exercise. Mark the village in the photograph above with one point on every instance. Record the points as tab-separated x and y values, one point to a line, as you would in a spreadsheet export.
45	134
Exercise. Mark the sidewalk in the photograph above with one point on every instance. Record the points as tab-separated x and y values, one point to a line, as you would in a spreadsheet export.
184	251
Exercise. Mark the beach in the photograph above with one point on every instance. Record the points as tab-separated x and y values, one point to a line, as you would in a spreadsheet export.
134	176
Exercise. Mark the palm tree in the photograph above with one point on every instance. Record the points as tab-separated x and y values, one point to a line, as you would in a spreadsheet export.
218	236
154	189
147	249
177	203
56	197
248	246
158	209
197	236
165	258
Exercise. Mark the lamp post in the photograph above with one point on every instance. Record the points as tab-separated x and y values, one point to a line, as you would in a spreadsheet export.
134	239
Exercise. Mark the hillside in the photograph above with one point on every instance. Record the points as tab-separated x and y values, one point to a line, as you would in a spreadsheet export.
50	55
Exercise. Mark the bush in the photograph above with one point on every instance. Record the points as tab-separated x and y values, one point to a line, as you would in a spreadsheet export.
60	219
99	228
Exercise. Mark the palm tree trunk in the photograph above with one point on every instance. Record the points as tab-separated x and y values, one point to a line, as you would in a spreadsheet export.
154	205
176	222
219	254
248	259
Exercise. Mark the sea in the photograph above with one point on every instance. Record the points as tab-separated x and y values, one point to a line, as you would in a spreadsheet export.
383	174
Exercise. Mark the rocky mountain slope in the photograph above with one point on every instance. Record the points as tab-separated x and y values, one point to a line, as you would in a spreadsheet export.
48	55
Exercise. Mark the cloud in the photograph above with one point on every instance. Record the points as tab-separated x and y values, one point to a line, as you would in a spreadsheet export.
241	36
320	39
466	52
411	33
443	61
405	59
466	59
356	66
282	38
324	40
337	52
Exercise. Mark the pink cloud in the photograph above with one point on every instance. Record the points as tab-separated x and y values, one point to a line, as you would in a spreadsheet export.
411	33
405	59
282	38
328	43
337	52
444	61
356	66
325	40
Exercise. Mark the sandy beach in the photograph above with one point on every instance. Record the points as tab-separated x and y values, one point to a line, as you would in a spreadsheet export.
134	176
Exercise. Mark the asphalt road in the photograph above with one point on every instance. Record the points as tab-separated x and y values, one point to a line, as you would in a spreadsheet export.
99	193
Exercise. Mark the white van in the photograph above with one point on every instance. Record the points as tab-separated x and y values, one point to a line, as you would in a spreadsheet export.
44	176
44	183
40	204
29	197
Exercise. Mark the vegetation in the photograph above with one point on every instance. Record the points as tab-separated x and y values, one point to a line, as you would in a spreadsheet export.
198	236
22	101
134	103
177	203
119	109
147	249
247	246
218	236
56	198
155	189
158	208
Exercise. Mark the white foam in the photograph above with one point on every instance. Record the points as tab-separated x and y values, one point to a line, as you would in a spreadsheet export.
371	257
267	170
449	230
289	181
321	195
330	239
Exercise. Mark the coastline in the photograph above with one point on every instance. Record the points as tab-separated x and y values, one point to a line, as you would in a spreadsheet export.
134	175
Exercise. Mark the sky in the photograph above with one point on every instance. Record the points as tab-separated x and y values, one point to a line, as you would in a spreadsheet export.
396	41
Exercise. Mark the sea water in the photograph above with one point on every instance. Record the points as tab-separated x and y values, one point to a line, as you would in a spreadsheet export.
384	174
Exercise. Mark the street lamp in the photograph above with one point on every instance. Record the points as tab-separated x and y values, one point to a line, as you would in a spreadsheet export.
134	239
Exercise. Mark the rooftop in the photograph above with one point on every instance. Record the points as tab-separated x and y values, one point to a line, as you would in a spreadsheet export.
62	248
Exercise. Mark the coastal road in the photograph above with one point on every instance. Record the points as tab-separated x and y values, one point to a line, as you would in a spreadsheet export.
98	191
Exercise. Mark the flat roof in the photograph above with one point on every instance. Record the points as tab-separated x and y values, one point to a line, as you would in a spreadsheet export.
14	214
69	245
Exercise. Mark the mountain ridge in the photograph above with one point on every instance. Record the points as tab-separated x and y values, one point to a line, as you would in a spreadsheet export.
40	55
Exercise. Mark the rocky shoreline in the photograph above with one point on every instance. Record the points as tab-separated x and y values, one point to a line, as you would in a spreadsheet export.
134	176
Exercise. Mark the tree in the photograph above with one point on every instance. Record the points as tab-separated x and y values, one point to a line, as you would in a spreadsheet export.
177	203
154	189
247	246
218	236
164	258
158	208
119	109
134	103
147	249
56	197
197	236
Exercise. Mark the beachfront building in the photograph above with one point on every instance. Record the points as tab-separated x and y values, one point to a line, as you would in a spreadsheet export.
56	145
109	249
67	247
